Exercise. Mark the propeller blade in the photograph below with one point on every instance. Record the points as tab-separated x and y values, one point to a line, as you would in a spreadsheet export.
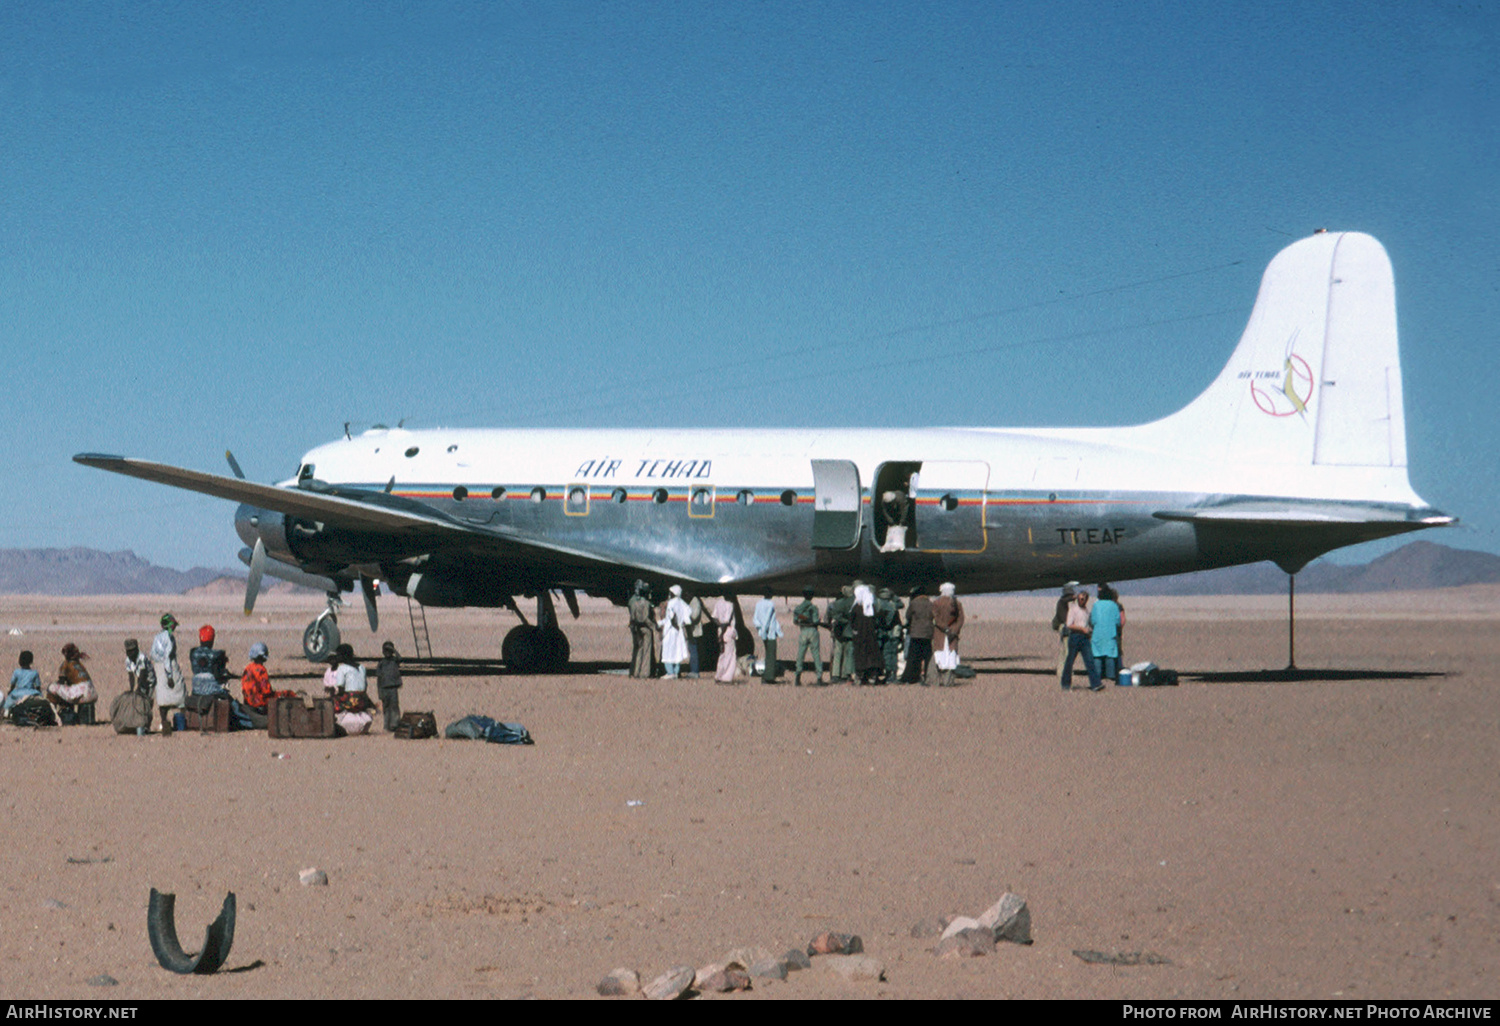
234	465
257	570
367	585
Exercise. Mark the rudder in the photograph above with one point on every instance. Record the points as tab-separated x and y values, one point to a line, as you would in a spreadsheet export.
1316	377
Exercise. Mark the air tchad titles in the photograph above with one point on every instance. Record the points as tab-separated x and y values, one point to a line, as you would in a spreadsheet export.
645	469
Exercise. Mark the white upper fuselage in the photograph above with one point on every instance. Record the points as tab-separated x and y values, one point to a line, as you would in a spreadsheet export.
1019	460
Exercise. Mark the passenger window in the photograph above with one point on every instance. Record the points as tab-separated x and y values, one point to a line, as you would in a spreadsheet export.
701	501
577	504
745	498
460	493
618	495
538	494
788	498
659	496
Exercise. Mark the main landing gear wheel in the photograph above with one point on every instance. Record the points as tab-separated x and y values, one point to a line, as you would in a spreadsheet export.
532	649
320	639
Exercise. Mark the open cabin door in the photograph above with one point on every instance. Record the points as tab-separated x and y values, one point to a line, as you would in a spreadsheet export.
939	503
836	504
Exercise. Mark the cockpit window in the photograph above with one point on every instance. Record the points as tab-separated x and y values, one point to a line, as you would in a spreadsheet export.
305	472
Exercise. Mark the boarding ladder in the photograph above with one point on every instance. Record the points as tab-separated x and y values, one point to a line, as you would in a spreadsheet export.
419	636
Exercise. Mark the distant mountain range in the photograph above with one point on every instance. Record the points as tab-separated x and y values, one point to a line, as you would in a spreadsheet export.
80	571
1415	566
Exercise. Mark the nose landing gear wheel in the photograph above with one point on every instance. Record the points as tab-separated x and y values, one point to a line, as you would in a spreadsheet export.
320	639
532	649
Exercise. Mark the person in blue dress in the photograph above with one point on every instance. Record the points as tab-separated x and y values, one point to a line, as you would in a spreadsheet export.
1105	619
24	683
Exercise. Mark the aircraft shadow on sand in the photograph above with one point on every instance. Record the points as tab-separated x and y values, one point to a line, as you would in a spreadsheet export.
1278	676
470	668
1299	674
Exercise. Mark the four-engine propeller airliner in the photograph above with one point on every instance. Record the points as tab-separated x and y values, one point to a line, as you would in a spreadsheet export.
1297	448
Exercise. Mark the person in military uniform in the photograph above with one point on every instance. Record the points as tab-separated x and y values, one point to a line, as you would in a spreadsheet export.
805	616
842	633
642	632
888	630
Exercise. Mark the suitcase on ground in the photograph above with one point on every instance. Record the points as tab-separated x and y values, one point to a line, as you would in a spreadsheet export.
289	717
415	726
213	719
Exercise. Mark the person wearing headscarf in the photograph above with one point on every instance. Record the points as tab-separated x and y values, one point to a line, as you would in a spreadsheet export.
134	706
255	686
674	624
74	686
869	661
171	688
948	624
210	665
140	675
724	618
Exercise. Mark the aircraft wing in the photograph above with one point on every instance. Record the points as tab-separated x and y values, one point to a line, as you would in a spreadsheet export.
1295	513
327	507
359	510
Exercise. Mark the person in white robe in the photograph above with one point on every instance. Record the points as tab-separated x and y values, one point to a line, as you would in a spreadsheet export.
171	686
724	611
674	649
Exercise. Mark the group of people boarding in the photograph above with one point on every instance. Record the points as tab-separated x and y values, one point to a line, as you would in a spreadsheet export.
869	639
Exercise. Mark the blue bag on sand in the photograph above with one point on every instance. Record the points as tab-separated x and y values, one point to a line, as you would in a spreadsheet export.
508	734
482	728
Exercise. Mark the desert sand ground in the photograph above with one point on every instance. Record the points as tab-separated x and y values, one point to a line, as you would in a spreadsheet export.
1331	837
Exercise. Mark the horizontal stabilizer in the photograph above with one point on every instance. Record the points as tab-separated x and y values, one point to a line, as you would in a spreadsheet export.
1306	513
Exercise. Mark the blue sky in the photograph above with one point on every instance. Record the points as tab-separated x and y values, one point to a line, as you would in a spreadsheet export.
239	226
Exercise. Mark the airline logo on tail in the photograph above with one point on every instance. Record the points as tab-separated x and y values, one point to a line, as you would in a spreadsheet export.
1296	389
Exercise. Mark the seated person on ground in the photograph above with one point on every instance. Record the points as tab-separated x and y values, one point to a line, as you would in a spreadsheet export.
74	687
255	685
24	683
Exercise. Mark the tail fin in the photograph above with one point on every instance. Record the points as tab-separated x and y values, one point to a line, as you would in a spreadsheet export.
1316	378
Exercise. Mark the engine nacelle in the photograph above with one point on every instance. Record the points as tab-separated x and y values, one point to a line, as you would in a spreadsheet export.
253	524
